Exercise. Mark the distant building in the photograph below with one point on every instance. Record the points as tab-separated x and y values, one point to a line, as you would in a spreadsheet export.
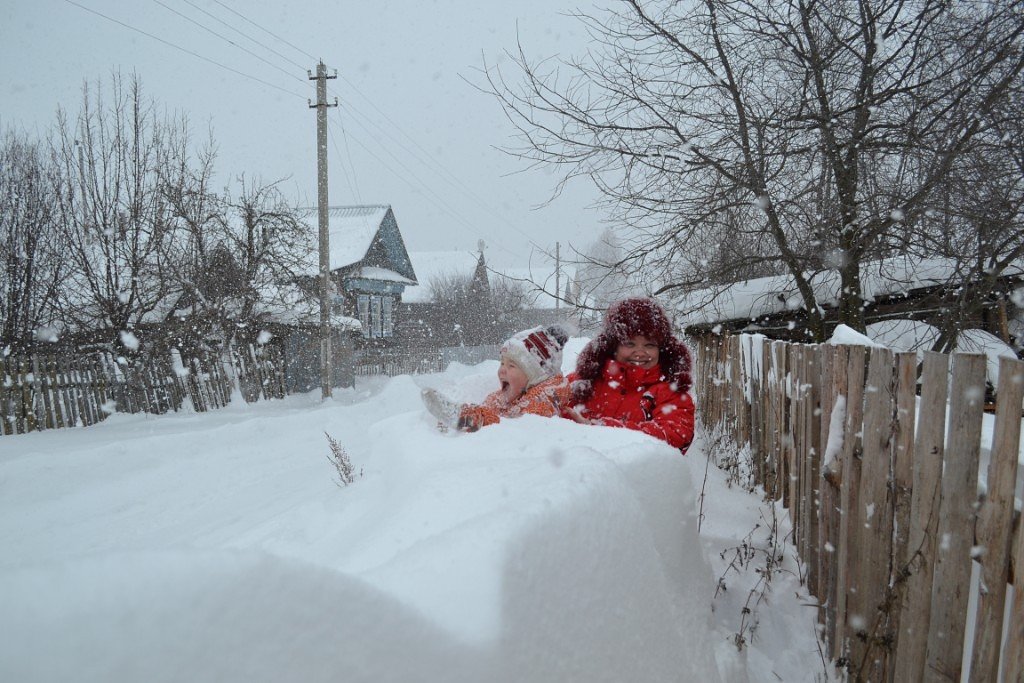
460	300
894	289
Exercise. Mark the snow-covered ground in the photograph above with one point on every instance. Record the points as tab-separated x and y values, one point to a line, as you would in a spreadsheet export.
218	547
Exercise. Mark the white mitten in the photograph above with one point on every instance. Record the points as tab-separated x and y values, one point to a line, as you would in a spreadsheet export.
440	406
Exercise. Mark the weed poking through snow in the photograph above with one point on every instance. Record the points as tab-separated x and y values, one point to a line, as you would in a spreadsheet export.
342	464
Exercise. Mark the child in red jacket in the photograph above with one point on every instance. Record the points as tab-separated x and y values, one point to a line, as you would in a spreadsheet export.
635	374
531	381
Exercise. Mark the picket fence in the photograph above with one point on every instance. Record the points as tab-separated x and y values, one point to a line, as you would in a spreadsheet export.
49	391
886	517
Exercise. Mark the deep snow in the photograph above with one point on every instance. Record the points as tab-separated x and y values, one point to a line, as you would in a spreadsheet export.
218	547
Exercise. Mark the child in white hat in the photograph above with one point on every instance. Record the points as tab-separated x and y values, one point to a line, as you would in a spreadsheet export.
531	381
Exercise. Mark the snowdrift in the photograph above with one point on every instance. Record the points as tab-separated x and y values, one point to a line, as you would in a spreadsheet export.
219	549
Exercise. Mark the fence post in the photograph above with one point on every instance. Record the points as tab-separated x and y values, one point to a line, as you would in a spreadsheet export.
7	425
848	493
813	471
833	402
872	518
1013	657
956	518
995	519
929	449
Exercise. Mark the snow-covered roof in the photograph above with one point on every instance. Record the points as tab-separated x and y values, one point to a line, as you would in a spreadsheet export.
289	305
385	274
751	299
351	230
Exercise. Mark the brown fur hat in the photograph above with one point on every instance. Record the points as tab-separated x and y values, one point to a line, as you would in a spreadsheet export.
623	320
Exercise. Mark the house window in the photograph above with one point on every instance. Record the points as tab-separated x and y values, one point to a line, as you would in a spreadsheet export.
387	319
376	315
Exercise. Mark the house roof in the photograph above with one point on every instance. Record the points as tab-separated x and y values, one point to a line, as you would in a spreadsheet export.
377	273
750	299
354	231
289	305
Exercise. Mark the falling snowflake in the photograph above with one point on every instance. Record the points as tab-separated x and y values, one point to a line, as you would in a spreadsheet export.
264	337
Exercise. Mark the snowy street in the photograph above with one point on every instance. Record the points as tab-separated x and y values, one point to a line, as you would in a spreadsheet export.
218	547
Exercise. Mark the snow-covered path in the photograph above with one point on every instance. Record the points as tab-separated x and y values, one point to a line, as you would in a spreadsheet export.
217	546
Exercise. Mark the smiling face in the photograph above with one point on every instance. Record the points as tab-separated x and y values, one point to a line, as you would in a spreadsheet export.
639	351
513	379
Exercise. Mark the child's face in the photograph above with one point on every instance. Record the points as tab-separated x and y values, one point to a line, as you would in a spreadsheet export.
638	350
513	379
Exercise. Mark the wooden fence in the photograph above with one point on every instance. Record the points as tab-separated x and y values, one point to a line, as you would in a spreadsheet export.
882	490
48	391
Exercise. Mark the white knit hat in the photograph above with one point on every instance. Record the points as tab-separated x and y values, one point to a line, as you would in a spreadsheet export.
537	351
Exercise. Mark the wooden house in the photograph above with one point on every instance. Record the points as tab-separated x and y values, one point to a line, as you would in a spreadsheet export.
370	267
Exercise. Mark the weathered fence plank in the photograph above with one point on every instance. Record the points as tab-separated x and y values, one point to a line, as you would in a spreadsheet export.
1013	657
956	519
995	518
929	449
872	518
846	601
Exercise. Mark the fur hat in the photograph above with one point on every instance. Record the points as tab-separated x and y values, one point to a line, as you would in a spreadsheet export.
623	320
537	351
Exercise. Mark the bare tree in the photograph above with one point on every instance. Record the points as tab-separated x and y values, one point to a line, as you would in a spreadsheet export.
805	131
113	209
31	263
266	246
244	256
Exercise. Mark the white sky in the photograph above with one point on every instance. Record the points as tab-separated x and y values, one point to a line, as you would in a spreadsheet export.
416	134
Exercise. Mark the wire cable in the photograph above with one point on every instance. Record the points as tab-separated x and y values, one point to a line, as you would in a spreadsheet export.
246	36
185	50
228	40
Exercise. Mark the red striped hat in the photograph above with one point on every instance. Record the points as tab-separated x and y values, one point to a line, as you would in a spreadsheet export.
537	351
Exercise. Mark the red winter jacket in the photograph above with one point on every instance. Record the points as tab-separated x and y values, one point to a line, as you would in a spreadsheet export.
642	399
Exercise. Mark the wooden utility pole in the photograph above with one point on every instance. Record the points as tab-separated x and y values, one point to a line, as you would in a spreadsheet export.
558	274
321	188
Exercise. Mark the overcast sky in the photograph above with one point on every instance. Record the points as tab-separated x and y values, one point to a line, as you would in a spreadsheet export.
410	131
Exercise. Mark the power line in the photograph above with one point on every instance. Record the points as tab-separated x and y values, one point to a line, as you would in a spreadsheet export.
228	40
428	194
352	186
186	51
242	16
246	35
427	160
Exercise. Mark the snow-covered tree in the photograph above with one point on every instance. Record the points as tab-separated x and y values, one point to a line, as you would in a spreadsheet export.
787	136
31	255
112	206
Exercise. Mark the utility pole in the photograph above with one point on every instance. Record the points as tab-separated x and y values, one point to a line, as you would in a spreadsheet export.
321	191
558	274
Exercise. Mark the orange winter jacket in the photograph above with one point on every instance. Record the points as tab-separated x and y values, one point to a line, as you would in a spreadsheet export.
543	399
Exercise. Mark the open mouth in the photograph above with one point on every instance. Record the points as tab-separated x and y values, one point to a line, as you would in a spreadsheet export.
504	385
